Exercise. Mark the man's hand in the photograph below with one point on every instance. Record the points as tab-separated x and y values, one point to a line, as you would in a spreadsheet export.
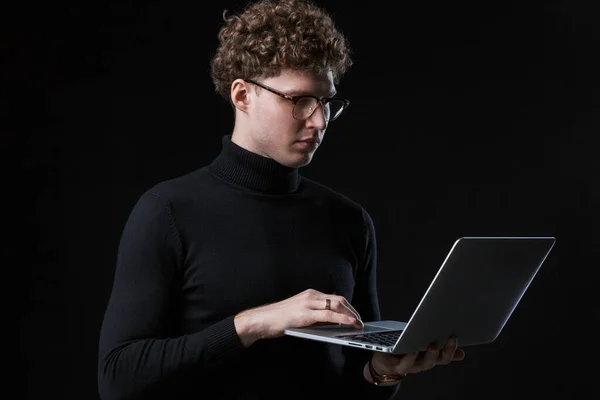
304	309
412	363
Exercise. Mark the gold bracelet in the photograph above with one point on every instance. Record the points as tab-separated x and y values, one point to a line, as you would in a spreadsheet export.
383	379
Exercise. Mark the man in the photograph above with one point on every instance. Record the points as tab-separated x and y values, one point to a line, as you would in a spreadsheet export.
214	265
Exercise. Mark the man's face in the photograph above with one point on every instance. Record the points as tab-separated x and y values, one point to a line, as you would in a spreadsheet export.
273	130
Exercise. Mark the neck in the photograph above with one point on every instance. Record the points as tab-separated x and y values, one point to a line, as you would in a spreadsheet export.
242	141
253	171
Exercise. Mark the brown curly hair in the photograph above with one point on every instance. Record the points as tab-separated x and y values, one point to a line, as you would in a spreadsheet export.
272	35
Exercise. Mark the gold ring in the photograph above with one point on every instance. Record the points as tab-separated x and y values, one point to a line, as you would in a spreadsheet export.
327	304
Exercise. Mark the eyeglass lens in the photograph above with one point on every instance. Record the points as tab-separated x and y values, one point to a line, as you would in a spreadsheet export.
306	106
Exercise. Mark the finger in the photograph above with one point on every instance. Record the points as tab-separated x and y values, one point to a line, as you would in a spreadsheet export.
337	304
430	357
459	355
346	303
353	313
406	363
336	318
447	354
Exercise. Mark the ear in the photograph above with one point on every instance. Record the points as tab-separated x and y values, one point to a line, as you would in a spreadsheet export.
240	91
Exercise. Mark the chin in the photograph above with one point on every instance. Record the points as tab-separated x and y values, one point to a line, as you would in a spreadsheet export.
297	161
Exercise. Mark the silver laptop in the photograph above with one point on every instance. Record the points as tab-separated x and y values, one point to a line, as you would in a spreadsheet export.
471	297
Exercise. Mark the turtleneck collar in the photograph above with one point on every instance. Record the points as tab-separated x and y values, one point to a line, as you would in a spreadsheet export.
253	171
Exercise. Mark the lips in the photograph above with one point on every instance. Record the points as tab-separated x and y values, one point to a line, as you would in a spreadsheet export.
307	145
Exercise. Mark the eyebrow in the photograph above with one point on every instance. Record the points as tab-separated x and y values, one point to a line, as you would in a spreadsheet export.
306	93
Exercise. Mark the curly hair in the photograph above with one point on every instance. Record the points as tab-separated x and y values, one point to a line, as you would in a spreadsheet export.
272	35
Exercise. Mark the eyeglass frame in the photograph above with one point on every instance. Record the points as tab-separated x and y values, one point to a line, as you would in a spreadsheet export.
294	99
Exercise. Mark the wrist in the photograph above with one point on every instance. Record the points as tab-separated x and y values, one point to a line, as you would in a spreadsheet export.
247	330
381	379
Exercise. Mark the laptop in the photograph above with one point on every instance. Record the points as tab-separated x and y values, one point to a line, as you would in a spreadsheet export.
471	297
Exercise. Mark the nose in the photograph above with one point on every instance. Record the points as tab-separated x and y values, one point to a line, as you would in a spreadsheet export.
317	119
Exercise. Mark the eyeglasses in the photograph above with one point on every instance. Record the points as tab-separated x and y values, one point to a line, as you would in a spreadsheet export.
305	106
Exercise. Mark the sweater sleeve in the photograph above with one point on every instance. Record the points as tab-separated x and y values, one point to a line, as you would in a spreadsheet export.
366	301
137	348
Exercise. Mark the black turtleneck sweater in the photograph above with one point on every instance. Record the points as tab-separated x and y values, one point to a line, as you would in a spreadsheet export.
238	233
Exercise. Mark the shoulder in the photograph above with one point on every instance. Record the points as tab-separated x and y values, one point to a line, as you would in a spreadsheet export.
180	188
173	195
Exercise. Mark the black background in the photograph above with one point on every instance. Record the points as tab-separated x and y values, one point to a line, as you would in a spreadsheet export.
467	118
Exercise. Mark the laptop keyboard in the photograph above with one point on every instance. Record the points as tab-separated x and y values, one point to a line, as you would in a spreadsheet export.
387	338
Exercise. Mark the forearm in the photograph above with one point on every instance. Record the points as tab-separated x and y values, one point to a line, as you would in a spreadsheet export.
138	348
129	370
